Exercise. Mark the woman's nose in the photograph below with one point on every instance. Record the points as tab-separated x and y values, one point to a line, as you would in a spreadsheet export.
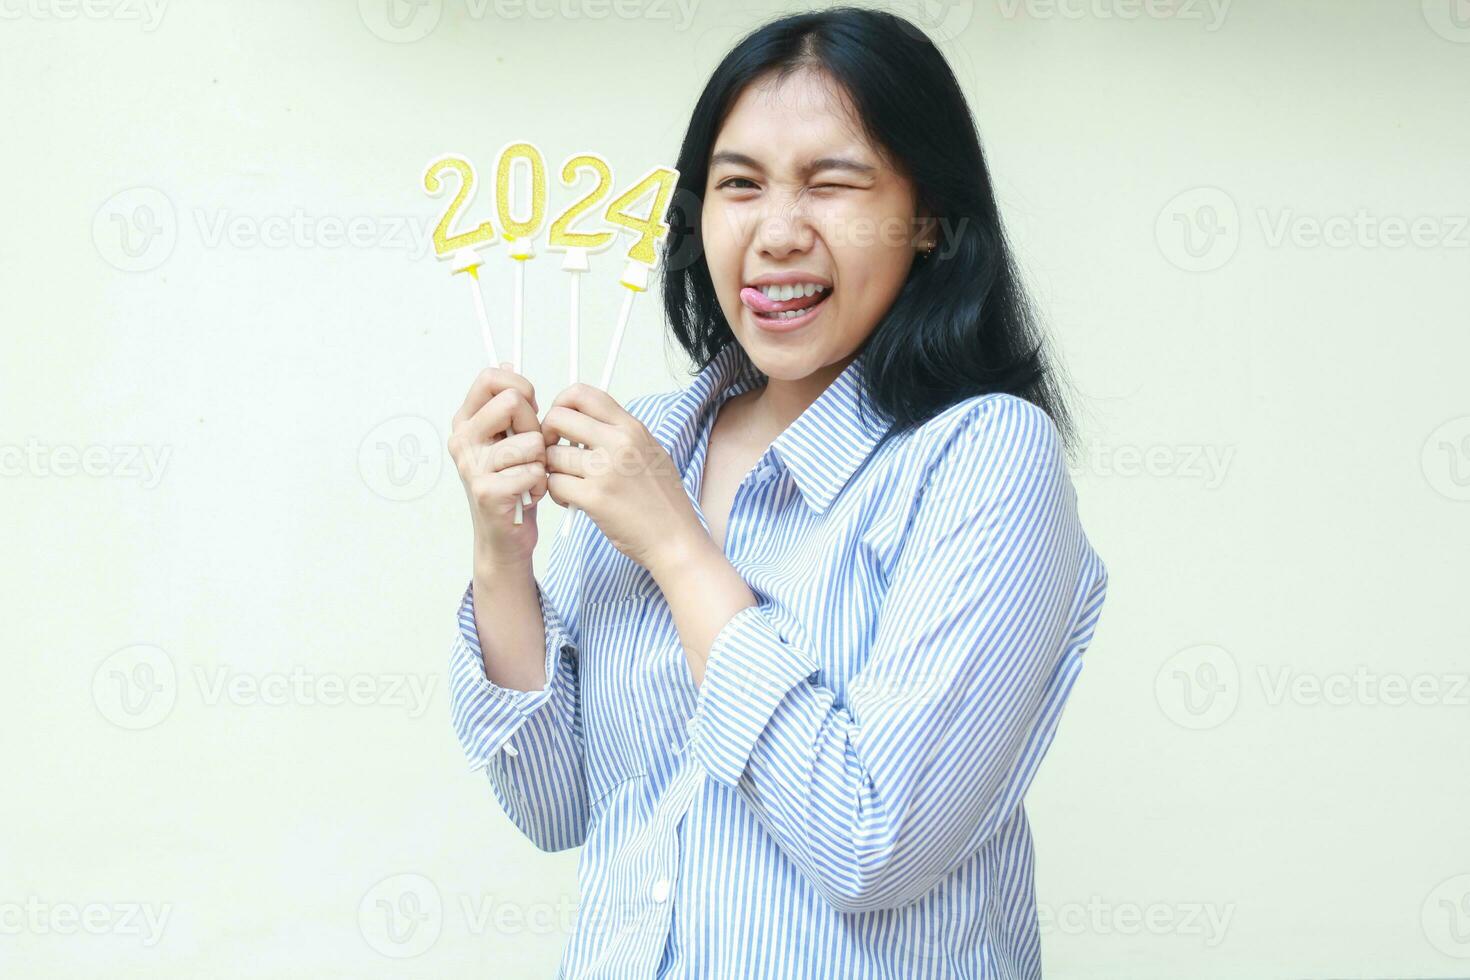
783	232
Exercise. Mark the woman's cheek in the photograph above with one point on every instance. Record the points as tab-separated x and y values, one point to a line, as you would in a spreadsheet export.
721	246
833	223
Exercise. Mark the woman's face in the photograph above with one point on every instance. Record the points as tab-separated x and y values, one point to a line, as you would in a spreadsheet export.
796	194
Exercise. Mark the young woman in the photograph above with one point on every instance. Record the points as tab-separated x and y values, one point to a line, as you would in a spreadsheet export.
806	639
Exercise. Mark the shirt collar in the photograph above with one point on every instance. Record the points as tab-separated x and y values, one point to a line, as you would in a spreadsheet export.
822	448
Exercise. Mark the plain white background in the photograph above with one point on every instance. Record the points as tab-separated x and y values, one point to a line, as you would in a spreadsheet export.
234	542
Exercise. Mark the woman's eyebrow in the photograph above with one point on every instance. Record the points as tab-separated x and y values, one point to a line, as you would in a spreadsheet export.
824	163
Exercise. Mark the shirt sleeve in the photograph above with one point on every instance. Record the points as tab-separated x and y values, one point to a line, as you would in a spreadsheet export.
529	743
993	599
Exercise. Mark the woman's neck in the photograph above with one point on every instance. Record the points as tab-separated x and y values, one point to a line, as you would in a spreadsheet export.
770	409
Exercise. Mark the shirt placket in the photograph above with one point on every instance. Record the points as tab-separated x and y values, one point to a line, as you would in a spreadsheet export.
662	884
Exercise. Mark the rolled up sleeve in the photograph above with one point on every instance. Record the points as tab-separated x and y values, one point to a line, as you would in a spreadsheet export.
749	671
486	715
528	743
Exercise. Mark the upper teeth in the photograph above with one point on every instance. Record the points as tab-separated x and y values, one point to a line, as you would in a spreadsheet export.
782	293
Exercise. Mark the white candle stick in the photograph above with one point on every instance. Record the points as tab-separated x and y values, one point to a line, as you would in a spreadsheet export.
520	250
635	279
468	261
574	358
518	233
517	312
575	263
484	318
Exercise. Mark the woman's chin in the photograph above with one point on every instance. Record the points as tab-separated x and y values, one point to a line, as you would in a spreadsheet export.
781	361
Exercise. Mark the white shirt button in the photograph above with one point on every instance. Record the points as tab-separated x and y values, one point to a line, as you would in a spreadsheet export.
511	750
661	890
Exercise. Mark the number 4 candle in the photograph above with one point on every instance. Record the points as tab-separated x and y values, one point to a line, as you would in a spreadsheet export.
641	256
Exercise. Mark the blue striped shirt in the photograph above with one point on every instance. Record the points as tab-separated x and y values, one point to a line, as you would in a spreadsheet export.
842	795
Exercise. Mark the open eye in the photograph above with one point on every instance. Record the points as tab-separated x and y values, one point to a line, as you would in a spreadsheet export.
730	180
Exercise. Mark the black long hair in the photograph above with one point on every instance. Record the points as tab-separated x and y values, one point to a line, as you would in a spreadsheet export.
961	325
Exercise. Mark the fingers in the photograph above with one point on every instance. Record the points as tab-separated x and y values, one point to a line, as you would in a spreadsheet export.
526	476
501	490
508	452
566	490
489	383
592	402
563	421
507	410
511	451
571	460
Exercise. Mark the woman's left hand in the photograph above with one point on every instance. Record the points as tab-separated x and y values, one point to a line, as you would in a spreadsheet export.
623	478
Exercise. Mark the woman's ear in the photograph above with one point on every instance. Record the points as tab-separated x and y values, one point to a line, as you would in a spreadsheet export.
927	237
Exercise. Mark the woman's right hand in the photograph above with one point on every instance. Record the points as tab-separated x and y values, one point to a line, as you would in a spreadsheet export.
496	468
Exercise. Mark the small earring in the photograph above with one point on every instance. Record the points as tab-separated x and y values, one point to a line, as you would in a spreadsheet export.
928	248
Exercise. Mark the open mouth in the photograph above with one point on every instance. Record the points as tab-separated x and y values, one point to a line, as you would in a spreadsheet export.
781	305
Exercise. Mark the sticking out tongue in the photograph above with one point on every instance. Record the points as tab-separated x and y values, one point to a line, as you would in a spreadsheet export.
756	300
